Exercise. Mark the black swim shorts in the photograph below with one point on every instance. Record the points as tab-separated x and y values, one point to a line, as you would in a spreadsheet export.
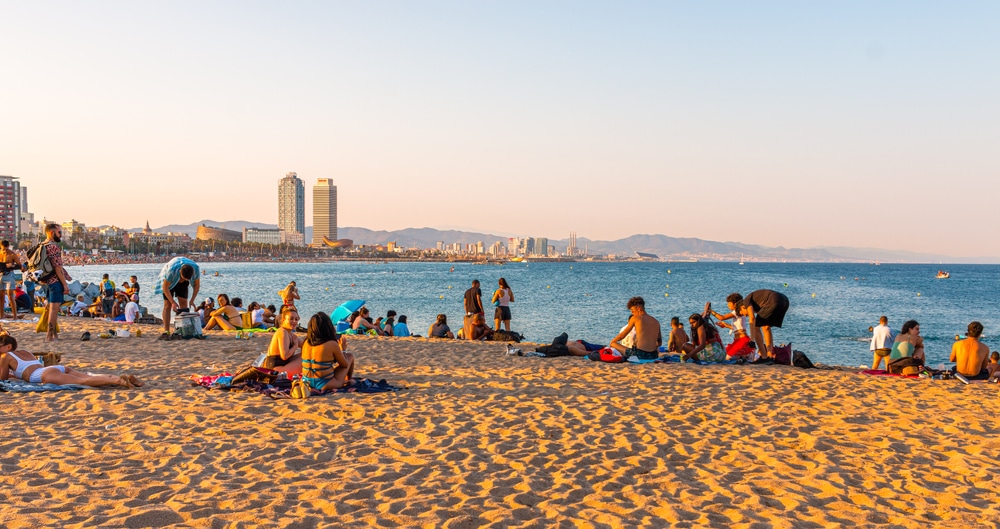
773	315
502	313
180	290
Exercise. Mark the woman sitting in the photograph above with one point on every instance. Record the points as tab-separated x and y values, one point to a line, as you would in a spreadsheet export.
325	362
24	365
907	349
706	346
256	315
226	317
362	324
270	316
440	329
283	353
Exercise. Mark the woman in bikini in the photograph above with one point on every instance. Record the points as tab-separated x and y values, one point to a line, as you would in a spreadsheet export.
289	294
226	317
326	364
283	354
24	365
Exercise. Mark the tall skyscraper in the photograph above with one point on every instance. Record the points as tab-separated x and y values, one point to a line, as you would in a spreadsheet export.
10	207
324	211
291	204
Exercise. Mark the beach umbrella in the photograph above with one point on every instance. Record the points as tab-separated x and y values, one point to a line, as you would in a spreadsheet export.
345	310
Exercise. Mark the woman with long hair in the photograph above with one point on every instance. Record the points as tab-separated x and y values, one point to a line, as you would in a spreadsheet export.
24	365
502	298
326	364
705	344
283	353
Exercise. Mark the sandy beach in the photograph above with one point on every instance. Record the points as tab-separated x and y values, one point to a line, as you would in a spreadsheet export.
482	439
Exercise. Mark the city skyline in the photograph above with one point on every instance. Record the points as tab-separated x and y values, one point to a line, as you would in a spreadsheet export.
775	123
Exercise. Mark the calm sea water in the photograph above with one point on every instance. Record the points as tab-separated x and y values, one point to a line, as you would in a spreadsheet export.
832	305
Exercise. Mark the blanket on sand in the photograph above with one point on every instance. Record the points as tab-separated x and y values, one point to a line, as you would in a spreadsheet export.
282	388
20	386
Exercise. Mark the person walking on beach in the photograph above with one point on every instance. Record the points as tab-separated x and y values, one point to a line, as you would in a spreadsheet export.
648	338
57	284
502	298
882	339
970	355
764	309
9	262
175	277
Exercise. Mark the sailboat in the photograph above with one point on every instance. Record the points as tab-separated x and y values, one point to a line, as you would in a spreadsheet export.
741	259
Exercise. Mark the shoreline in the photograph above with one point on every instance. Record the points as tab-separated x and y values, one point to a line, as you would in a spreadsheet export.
482	439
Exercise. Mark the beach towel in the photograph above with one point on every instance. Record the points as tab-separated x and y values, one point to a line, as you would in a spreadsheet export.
20	386
880	373
282	388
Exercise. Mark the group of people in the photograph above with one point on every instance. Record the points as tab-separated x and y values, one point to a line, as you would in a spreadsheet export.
474	326
320	357
903	352
361	322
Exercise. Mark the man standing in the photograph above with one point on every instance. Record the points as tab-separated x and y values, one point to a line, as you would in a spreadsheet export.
971	356
58	283
107	295
473	306
9	262
647	333
176	276
764	309
882	339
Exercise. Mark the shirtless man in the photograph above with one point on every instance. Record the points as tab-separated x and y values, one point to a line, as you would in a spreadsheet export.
647	333
971	356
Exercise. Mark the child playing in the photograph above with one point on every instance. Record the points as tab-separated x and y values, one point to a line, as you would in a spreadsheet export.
677	336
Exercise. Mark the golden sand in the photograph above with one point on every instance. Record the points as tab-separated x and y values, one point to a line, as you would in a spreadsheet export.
482	439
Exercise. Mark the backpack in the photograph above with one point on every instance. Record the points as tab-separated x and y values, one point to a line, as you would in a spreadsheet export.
782	354
39	263
611	355
109	290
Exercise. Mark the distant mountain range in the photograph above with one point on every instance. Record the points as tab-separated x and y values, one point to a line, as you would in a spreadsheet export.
661	245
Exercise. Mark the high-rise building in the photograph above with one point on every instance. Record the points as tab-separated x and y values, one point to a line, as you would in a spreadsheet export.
324	211
291	204
10	207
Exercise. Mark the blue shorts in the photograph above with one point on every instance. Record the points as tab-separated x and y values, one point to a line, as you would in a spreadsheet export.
56	292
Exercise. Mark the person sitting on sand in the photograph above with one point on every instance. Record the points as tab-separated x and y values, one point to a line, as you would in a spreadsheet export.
388	323
362	324
647	333
705	345
226	317
479	330
326	364
970	355
907	348
677	336
283	353
994	366
400	329
882	340
270	315
440	329
24	365
256	315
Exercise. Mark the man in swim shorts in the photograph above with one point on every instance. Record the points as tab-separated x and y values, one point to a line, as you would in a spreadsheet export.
970	355
647	333
176	276
764	309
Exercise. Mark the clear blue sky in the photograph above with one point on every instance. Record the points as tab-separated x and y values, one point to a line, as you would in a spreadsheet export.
799	124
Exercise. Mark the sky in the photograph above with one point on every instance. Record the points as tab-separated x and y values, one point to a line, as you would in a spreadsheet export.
795	124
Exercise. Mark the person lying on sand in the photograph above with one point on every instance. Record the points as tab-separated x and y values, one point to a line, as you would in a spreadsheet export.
24	365
326	364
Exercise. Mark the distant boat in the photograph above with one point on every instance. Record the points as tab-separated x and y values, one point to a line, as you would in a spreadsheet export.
741	259
943	275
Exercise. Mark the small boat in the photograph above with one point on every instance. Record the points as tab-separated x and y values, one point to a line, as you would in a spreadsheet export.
942	274
741	259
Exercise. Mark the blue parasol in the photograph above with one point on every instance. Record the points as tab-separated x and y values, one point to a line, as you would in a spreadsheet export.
346	309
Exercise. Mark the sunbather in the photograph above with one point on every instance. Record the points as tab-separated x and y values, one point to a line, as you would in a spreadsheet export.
325	362
284	354
24	365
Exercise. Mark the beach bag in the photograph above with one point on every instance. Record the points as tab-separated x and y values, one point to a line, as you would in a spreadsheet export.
39	263
897	367
611	356
782	354
300	390
799	359
506	336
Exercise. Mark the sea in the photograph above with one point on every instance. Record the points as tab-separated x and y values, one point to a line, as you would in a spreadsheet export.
833	305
